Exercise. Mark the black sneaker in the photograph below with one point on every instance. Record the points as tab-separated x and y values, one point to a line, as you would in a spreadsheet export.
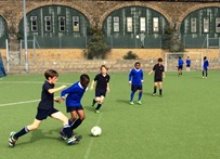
73	140
62	135
12	140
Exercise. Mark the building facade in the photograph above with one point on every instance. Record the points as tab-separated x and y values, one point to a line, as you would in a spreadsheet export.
125	24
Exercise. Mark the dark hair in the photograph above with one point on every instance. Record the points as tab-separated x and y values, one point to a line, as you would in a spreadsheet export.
84	77
50	74
180	57
204	58
104	67
137	63
160	60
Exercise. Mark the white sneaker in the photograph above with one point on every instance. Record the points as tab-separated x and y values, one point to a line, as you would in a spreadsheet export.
12	140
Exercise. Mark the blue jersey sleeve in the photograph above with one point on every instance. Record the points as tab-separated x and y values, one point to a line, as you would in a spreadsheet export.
130	75
68	90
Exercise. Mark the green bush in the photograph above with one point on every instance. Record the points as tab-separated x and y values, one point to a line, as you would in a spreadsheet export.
130	56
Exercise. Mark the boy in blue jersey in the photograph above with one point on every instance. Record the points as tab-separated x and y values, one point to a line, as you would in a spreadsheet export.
101	84
135	80
73	96
180	66
188	64
45	109
205	67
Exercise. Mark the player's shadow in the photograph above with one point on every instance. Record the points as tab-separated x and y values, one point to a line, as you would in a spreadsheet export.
39	135
148	94
90	108
124	101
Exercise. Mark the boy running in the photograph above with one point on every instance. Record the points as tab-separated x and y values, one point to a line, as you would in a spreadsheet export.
101	83
45	109
135	80
73	96
159	74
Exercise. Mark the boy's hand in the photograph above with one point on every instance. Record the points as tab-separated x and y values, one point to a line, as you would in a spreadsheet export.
59	100
108	89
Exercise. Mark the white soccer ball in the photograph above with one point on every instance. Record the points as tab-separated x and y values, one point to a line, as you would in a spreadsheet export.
96	131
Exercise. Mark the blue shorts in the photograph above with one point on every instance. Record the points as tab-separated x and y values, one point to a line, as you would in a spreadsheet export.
44	113
99	93
134	88
74	108
180	67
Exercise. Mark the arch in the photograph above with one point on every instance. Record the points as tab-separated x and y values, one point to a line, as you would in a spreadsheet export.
56	26
134	4
46	4
195	8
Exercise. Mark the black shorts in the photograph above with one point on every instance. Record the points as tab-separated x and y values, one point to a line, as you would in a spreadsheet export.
187	65
158	80
44	113
180	67
99	93
134	88
74	108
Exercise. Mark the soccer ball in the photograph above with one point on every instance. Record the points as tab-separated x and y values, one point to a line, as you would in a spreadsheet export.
96	131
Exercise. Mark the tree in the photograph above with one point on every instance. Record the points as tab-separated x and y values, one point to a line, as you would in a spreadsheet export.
97	46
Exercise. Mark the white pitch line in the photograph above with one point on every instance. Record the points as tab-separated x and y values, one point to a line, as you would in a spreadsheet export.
18	103
31	82
86	156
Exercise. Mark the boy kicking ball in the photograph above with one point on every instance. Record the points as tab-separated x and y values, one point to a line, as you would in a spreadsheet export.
73	96
45	109
159	74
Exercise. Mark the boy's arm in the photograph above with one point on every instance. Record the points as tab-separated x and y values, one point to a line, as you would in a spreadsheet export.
93	84
129	77
53	90
108	87
150	72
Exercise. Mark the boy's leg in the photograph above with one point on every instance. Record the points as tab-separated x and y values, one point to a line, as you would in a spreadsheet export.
203	73
100	103
133	90
161	88
93	102
155	88
15	135
206	73
66	129
78	121
140	96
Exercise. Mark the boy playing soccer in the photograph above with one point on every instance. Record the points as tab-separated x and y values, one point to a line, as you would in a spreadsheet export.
73	96
205	67
159	74
135	80
45	109
188	64
180	66
101	82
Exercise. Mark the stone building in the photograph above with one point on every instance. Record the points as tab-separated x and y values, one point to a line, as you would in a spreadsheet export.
140	25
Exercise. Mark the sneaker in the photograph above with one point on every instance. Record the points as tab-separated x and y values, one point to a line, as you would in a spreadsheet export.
131	103
12	140
97	111
62	135
139	102
73	140
203	77
154	94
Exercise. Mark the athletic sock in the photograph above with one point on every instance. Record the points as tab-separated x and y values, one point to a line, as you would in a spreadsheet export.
98	106
67	131
155	89
20	133
161	91
76	124
140	95
132	96
93	102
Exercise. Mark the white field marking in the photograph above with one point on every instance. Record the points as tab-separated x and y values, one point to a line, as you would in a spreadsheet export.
18	103
86	156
